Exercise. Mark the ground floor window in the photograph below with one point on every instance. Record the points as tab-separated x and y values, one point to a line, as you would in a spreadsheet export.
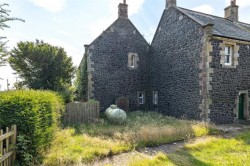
141	98
155	97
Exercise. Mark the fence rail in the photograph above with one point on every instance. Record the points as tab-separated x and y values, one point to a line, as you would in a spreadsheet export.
7	146
82	112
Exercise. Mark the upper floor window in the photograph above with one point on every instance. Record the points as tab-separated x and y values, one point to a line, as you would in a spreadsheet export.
141	98
229	52
133	60
155	97
228	55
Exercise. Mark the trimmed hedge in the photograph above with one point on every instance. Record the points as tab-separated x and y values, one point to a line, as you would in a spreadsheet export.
36	114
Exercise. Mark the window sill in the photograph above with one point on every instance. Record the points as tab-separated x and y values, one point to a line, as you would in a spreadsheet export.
228	66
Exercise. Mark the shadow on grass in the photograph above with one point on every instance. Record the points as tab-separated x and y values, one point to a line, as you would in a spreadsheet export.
184	158
98	127
244	137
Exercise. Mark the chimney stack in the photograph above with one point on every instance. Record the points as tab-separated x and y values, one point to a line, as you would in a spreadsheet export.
231	12
86	46
170	3
123	10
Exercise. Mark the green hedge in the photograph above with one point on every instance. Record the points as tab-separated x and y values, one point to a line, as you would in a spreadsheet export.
36	114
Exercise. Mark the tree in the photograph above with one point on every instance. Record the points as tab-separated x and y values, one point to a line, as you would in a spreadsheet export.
42	66
82	80
4	17
3	53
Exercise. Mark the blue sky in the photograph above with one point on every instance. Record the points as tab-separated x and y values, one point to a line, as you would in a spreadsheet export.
73	23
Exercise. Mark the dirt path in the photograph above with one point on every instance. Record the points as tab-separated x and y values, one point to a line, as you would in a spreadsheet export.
149	152
228	131
120	160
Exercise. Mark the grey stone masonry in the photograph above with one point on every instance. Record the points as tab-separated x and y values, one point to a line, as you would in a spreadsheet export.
231	12
123	10
206	70
228	83
111	76
197	67
170	3
174	64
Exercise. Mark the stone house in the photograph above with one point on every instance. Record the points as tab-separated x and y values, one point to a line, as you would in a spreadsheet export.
197	67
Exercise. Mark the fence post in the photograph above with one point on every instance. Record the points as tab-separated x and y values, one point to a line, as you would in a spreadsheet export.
7	141
1	145
14	137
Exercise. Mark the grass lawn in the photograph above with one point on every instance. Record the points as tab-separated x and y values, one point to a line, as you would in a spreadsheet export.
209	151
83	143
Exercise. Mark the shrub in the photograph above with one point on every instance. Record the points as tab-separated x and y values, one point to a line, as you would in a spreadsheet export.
36	114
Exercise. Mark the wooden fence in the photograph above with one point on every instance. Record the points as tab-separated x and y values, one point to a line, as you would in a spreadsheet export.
82	112
7	146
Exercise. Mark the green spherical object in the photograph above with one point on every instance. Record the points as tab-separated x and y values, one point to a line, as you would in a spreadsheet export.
108	110
116	115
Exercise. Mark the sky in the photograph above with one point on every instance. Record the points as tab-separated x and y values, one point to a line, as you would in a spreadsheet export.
72	23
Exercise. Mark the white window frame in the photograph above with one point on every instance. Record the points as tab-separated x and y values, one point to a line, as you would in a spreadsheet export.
229	54
155	97
141	98
133	59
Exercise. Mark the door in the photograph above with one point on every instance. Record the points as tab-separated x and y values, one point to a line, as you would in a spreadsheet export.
123	103
241	107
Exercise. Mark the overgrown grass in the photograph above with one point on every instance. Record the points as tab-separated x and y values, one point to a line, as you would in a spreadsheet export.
146	129
204	152
83	143
69	149
159	160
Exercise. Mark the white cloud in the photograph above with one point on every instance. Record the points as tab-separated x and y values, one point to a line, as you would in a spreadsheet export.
241	3
208	9
71	51
65	33
6	73
150	33
50	5
133	7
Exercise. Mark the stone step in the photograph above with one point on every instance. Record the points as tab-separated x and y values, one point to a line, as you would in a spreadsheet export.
245	122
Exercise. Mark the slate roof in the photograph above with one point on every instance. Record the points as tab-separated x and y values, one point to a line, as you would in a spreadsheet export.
222	27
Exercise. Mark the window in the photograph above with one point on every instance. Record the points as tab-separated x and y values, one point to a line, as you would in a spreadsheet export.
133	61
141	98
155	97
228	55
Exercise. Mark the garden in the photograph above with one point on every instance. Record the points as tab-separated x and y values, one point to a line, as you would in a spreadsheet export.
43	138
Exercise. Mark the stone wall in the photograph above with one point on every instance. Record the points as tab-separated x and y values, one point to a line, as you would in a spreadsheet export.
175	59
228	82
111	76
